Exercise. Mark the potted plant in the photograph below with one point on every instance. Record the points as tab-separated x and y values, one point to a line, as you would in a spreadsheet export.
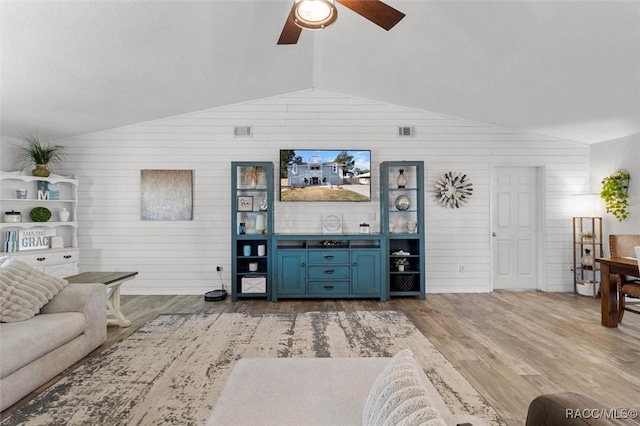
40	155
252	175
615	193
399	263
587	236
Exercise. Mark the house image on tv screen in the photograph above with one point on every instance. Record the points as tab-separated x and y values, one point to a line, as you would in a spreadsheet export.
315	172
325	175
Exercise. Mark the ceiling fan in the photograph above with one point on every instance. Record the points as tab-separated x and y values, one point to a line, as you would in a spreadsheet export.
319	14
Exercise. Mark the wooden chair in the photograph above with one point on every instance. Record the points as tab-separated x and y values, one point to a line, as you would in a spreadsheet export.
622	245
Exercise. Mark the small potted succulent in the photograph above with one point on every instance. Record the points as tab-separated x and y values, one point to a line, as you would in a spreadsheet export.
399	263
40	155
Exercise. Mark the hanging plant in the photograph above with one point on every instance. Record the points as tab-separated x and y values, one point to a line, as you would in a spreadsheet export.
615	193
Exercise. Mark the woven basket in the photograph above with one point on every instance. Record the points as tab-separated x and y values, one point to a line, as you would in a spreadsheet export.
403	282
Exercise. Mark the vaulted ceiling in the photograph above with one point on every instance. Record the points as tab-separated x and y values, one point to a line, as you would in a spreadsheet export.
568	69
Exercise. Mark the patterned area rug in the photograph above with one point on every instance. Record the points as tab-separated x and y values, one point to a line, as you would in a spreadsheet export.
172	370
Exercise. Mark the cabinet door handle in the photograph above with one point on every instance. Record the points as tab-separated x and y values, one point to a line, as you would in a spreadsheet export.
328	256
67	256
354	264
328	287
302	265
40	259
329	271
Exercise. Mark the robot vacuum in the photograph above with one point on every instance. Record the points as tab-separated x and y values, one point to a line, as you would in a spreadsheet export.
215	295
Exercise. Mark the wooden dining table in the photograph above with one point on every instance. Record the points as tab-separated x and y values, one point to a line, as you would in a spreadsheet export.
609	288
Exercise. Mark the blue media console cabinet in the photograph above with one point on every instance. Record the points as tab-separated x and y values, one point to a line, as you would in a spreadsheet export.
328	266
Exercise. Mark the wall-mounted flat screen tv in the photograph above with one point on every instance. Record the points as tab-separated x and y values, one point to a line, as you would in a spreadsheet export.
325	175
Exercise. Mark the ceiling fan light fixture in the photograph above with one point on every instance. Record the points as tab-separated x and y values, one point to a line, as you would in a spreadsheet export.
314	14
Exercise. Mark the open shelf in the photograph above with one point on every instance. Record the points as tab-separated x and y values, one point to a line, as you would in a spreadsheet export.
403	226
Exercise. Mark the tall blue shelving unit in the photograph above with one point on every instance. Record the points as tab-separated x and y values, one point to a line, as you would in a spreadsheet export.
252	203
401	207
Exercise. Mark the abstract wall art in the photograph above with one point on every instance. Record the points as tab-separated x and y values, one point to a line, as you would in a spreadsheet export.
166	194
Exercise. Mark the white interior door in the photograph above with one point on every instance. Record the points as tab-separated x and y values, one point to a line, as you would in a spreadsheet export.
514	231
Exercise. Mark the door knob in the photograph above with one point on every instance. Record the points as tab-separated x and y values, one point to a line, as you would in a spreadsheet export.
493	234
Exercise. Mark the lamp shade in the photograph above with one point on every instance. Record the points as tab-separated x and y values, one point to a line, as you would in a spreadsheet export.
586	205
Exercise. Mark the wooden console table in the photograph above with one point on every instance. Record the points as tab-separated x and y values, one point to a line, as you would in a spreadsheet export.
112	282
609	289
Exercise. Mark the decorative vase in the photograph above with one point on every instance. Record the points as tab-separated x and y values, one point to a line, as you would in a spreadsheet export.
254	183
401	180
587	260
64	215
403	203
41	170
400	268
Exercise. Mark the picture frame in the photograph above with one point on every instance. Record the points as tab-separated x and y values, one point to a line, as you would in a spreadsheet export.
245	203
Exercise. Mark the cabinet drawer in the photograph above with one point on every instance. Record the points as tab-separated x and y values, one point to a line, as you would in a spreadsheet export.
328	287
325	257
64	257
329	272
50	258
62	270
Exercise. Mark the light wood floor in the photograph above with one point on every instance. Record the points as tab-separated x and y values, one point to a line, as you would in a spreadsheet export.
512	346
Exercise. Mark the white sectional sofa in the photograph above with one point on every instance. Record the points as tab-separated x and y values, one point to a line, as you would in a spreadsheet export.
67	329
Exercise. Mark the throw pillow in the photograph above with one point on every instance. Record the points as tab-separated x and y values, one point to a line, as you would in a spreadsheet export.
398	396
24	290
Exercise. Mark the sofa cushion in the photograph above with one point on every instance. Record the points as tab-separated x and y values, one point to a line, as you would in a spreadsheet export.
398	397
23	342
24	290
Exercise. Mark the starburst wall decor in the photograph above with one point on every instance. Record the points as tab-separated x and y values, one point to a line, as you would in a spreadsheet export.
453	189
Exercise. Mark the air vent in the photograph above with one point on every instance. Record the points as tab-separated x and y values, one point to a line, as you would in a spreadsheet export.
406	131
242	131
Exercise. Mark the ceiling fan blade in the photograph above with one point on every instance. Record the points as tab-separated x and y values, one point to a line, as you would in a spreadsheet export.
290	32
376	11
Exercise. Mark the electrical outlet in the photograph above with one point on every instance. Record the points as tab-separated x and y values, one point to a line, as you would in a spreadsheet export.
219	268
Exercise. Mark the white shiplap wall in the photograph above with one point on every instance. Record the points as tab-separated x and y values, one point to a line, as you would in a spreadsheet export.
181	257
